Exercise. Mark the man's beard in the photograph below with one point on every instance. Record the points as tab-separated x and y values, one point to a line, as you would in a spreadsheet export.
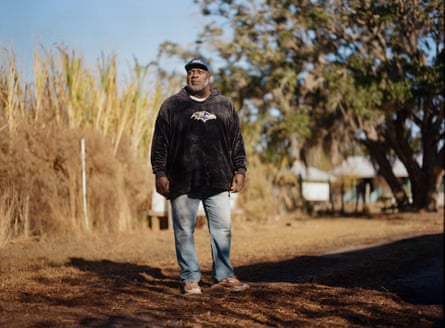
199	87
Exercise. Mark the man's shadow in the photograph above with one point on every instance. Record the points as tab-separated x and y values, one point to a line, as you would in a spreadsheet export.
124	272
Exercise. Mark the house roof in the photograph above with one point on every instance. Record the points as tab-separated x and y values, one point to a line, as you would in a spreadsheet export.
355	166
361	167
310	173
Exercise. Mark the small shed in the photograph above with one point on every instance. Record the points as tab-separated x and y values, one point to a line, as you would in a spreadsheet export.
315	184
362	172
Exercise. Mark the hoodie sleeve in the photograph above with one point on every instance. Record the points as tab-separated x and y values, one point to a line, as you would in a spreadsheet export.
160	143
238	150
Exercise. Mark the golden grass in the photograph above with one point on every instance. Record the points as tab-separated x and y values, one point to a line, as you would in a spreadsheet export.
6	207
42	124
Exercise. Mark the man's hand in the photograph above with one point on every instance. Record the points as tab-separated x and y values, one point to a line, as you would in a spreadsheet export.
163	186
238	181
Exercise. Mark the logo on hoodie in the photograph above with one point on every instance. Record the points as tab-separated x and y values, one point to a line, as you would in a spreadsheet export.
203	116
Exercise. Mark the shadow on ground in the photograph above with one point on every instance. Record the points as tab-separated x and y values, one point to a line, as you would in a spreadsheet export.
412	268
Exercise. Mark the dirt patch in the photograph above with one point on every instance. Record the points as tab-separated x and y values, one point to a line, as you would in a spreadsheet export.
380	271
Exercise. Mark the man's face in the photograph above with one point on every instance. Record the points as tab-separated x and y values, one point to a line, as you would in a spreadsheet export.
197	79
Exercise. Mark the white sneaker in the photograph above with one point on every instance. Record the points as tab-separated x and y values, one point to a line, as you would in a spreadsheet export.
192	287
232	283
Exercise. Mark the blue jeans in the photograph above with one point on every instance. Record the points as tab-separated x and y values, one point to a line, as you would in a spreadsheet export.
217	210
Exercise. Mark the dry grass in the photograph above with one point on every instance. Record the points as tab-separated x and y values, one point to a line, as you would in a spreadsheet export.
6	208
41	128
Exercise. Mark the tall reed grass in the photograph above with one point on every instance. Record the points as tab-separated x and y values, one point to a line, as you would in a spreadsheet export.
42	124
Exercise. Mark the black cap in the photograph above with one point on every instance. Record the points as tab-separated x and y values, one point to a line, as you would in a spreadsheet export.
197	62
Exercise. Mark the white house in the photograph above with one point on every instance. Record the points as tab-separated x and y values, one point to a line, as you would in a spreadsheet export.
315	184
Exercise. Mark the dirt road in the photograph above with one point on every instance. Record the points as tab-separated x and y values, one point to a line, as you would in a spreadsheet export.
384	271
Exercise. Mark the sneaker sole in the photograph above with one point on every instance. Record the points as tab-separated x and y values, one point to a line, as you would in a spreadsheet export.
232	289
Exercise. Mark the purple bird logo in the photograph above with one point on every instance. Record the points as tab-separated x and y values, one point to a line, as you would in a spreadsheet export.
203	116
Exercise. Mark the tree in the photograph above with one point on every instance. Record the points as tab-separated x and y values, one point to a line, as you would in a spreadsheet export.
387	81
338	73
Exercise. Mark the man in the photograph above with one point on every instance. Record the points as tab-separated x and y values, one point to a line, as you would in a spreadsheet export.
198	156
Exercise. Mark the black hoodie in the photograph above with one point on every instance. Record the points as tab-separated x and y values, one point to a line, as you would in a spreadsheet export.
197	145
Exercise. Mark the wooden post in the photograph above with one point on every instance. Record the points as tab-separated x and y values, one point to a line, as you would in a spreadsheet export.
26	226
84	186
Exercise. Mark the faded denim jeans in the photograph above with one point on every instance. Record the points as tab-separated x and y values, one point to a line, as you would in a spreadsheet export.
217	210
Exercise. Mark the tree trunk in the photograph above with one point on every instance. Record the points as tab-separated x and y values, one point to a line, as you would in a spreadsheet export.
432	163
432	193
425	177
377	151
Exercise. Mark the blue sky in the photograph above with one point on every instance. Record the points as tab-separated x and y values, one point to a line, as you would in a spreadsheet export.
131	28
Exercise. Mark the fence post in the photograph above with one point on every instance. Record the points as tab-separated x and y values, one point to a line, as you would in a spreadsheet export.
84	186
